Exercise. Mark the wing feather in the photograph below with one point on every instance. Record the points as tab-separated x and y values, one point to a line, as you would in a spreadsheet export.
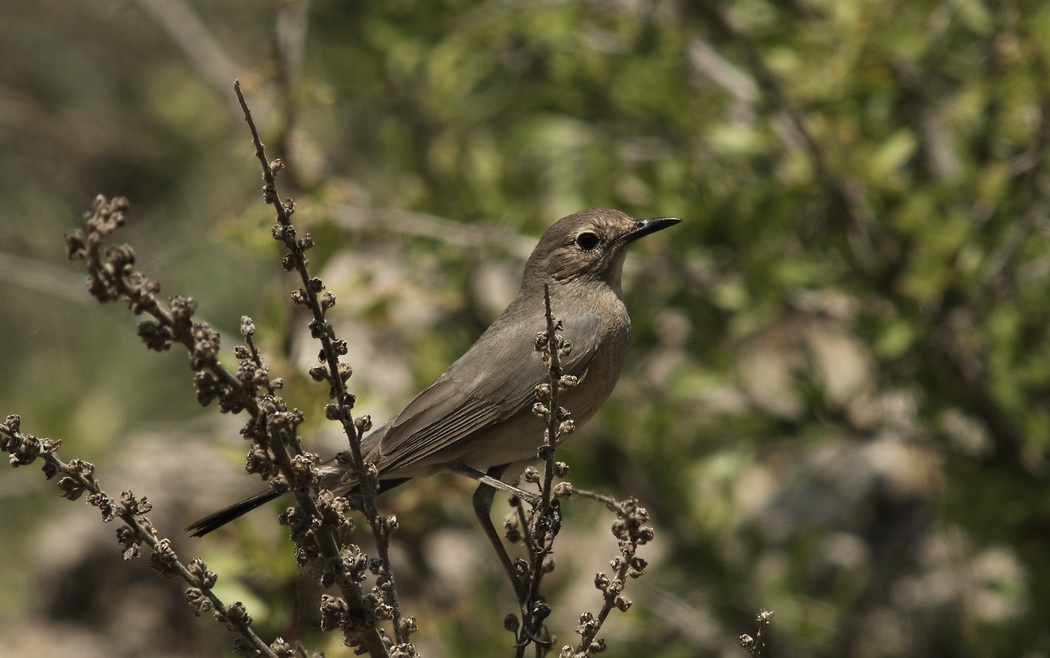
492	383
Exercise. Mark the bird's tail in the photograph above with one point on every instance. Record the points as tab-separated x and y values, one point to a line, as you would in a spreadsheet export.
225	515
218	519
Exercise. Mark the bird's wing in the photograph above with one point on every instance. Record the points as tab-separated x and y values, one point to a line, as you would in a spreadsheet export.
474	394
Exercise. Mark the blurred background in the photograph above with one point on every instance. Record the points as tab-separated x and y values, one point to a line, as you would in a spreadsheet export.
837	403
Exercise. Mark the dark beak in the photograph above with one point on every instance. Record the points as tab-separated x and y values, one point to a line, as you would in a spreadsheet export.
643	227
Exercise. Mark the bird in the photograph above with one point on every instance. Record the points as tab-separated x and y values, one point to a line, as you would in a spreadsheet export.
476	419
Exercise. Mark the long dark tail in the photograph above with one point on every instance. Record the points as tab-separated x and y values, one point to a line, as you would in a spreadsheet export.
224	516
235	511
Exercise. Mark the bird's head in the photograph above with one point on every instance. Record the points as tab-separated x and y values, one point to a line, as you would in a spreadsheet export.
590	244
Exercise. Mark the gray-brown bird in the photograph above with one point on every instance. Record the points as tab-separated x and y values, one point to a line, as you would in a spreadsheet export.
477	416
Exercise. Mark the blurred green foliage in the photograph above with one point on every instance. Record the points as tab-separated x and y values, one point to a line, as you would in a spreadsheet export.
837	406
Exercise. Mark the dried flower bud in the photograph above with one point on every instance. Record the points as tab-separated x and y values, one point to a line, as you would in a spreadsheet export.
562	490
345	371
363	423
531	475
511	623
327	300
601	581
541	341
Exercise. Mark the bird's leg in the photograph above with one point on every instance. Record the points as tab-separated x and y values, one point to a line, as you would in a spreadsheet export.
496	483
486	491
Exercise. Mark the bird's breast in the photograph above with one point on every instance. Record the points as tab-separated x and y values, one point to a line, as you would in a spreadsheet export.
603	369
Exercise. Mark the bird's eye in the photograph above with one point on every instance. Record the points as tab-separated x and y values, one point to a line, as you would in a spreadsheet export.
587	241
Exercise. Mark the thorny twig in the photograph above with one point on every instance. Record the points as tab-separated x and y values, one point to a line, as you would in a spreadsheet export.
77	478
631	530
544	520
383	600
757	644
276	452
